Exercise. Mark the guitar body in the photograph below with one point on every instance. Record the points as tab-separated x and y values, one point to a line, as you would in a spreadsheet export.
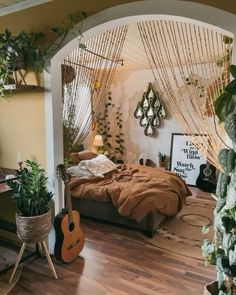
69	237
207	179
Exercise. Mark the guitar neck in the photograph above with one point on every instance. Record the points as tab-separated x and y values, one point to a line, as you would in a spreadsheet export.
68	201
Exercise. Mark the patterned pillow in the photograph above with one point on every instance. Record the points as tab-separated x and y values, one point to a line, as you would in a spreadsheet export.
98	166
79	172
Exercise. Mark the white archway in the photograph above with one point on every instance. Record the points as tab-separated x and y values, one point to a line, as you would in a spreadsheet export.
96	24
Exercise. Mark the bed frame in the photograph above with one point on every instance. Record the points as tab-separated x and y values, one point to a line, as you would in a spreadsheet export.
105	211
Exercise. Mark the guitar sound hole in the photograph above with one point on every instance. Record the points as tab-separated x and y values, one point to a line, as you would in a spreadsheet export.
71	226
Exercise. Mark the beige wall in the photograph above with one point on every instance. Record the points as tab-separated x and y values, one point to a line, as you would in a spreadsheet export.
22	120
22	129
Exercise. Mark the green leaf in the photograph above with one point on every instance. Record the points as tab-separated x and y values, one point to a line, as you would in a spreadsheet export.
227	159
228	224
233	180
231	87
222	183
230	126
232	70
82	46
205	229
231	198
232	257
208	247
221	105
227	39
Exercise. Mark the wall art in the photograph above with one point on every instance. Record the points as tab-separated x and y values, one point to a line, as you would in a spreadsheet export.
185	159
150	111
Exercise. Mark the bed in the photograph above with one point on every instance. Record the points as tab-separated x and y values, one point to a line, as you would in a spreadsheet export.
131	195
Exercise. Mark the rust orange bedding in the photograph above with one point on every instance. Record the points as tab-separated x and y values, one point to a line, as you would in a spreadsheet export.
135	190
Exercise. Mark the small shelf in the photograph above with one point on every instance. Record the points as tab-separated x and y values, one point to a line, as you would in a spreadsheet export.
14	87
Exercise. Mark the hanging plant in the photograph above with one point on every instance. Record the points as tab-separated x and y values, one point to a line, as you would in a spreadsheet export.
221	252
25	50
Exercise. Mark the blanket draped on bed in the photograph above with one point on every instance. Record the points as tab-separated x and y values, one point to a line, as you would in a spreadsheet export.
135	190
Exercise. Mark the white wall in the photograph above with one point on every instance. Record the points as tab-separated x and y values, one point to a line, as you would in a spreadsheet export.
127	89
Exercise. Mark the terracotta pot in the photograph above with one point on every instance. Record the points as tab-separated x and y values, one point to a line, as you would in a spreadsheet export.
33	229
161	163
211	289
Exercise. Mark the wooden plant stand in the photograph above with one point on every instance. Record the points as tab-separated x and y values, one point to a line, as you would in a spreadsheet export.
41	245
30	230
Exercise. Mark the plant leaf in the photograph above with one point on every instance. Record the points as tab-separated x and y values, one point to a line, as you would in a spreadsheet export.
232	70
231	87
221	104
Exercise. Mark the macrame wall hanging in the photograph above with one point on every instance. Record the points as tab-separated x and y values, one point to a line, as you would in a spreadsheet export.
150	111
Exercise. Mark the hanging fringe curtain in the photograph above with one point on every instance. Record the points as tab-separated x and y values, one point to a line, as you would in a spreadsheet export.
94	66
190	66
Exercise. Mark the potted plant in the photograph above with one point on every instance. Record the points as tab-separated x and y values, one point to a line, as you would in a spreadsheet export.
162	158
221	252
26	50
22	51
33	217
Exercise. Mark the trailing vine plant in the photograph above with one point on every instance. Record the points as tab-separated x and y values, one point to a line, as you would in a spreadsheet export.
221	252
104	125
119	138
113	143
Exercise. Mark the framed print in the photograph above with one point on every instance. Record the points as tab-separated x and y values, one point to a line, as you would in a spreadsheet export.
185	159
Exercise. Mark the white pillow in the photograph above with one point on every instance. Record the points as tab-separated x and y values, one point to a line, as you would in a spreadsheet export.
98	166
80	172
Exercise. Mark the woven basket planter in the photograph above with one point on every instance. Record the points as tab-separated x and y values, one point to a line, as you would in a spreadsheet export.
33	229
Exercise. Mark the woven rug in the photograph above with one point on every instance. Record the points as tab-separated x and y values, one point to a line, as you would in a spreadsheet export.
182	234
8	258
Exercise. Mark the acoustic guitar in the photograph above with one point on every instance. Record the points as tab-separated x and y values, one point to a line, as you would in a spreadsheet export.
69	236
207	179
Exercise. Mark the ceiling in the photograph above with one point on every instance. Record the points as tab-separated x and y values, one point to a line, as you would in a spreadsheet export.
175	42
5	3
134	56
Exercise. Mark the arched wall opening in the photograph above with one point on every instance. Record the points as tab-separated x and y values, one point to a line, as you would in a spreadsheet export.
96	24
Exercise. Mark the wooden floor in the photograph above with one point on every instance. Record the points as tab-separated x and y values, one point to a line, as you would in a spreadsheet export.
115	261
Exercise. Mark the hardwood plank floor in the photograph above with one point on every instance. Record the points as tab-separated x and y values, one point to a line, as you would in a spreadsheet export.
115	261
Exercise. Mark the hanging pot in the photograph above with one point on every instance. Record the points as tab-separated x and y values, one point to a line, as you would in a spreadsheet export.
33	229
68	74
211	289
16	60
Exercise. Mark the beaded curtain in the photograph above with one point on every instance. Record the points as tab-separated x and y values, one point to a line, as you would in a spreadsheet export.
190	63
94	65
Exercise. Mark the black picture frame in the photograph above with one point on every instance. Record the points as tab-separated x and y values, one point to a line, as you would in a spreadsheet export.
185	159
